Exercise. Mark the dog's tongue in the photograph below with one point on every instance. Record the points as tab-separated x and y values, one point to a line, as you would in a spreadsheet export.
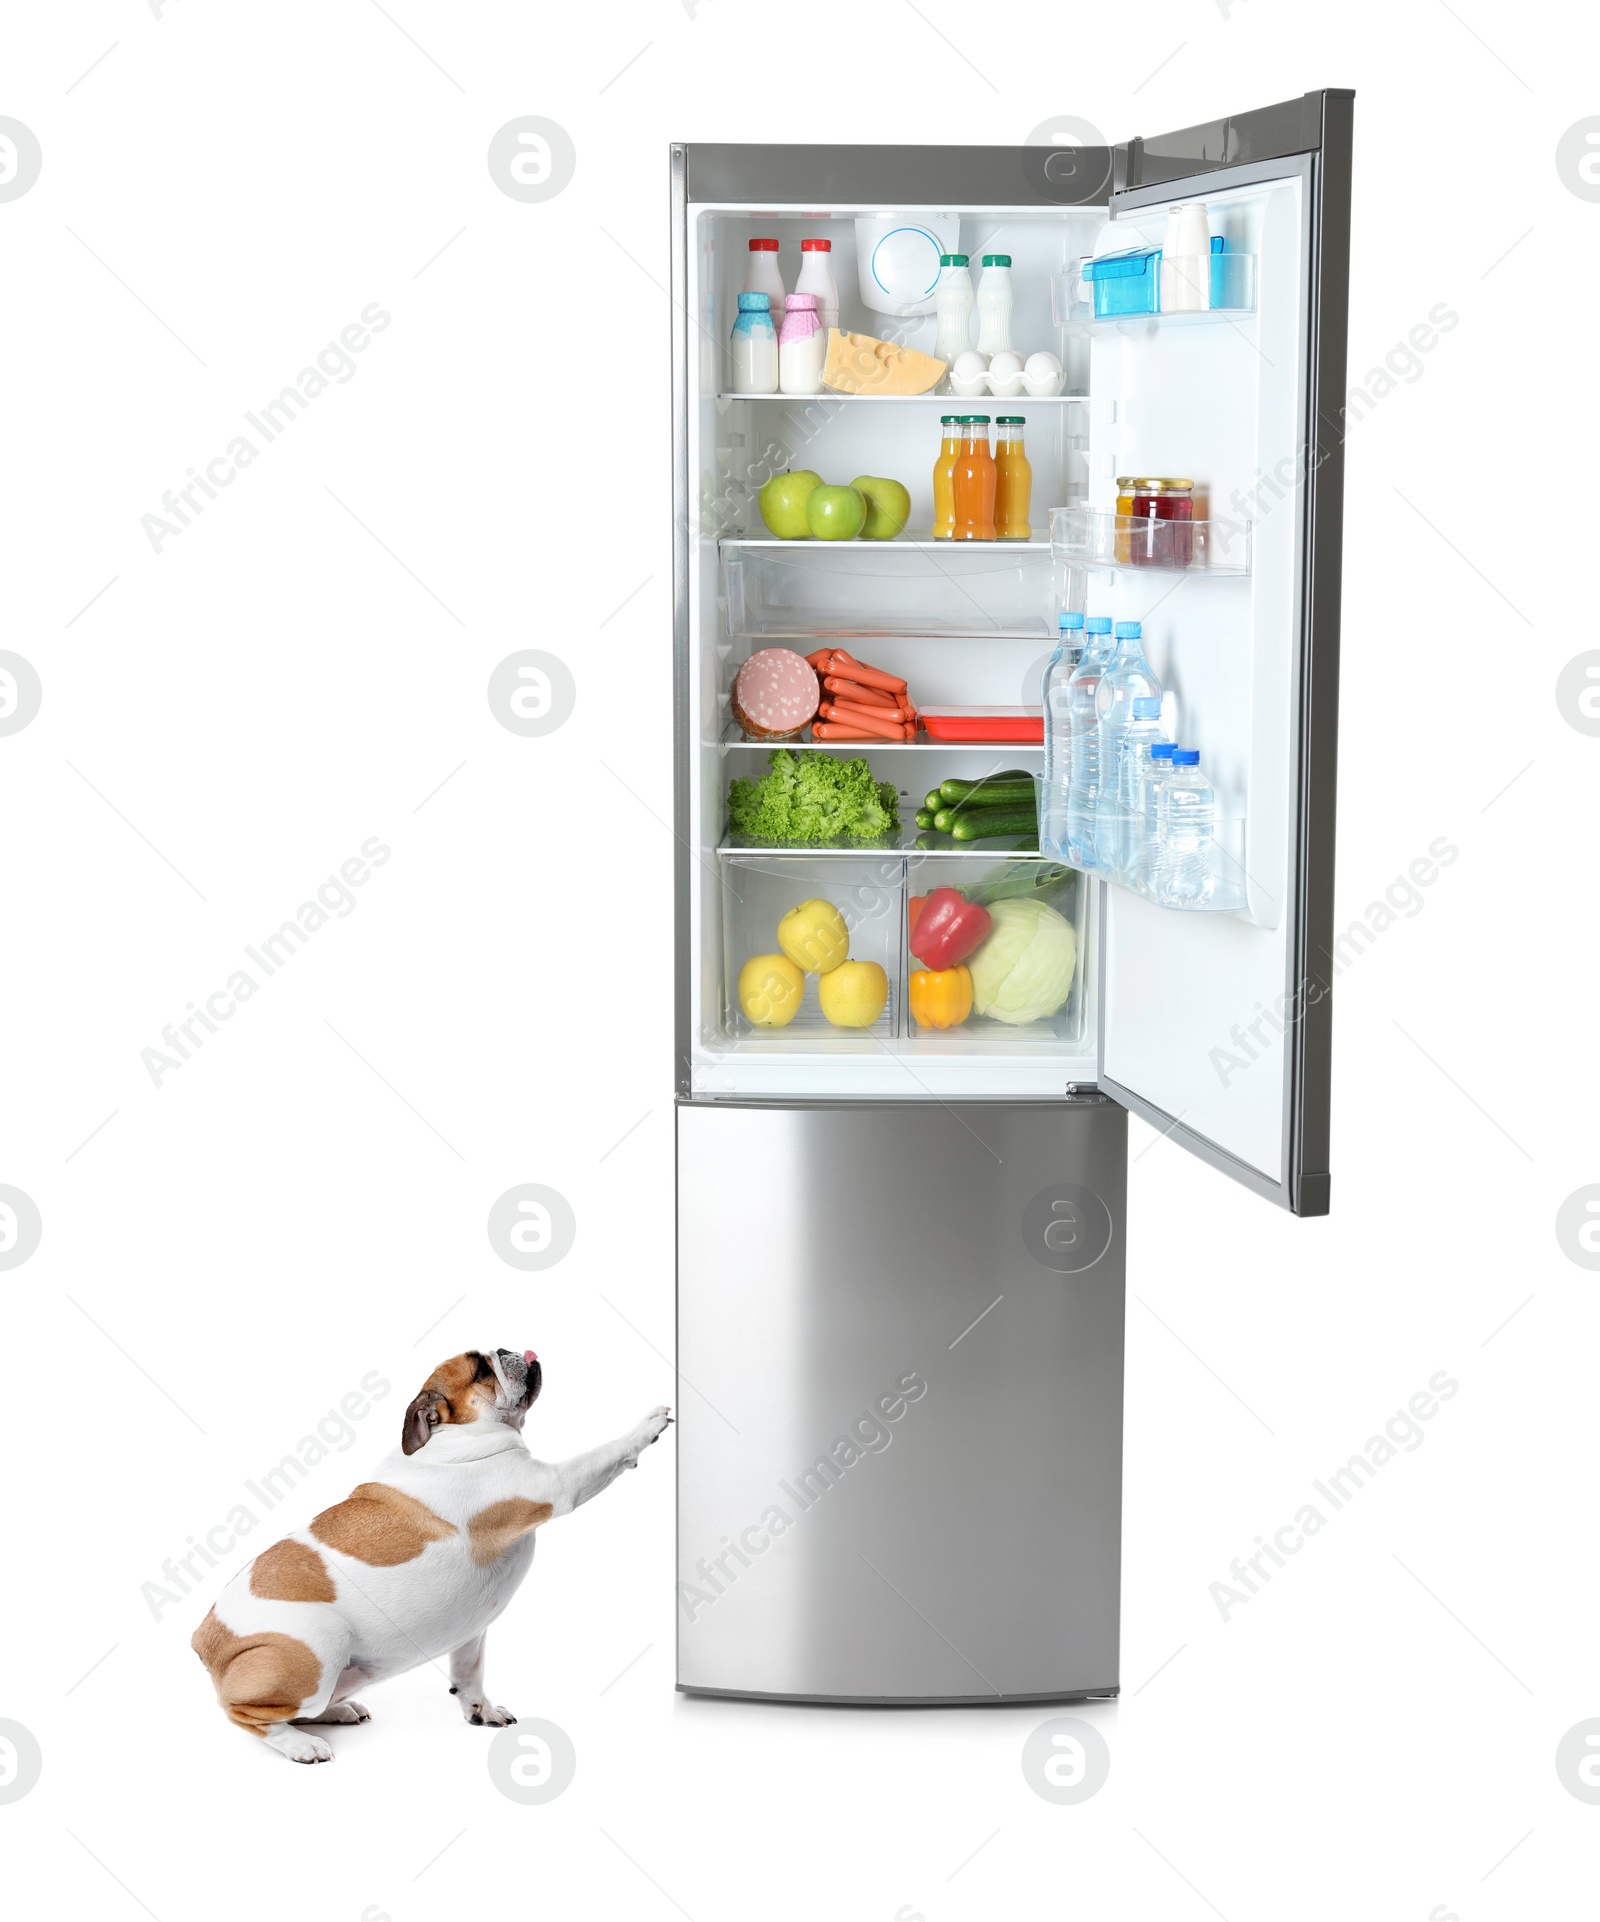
529	1356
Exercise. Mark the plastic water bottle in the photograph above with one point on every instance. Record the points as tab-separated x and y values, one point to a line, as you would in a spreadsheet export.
1127	678
1133	756
1083	791
1186	817
1058	732
1153	775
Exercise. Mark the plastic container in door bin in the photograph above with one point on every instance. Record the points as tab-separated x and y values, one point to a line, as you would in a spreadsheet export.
1186	261
1186	817
816	277
1125	283
975	479
753	347
944	478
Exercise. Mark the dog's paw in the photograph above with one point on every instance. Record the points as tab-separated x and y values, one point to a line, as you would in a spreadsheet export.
346	1712
300	1747
652	1428
486	1715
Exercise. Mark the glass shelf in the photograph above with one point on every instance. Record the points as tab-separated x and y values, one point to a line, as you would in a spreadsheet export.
1023	399
897	851
734	736
1085	537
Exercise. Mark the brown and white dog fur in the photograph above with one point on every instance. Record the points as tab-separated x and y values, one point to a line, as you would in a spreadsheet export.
412	1566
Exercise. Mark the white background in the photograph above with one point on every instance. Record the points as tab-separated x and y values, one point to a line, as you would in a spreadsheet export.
306	1199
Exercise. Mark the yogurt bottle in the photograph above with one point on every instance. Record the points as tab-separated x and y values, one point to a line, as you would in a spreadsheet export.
753	347
762	277
816	277
994	306
953	302
802	347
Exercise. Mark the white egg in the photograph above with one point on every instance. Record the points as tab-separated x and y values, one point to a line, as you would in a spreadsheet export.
1042	367
969	366
1005	366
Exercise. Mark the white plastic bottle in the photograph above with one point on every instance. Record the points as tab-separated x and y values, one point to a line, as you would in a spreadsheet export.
994	306
1186	260
1186	817
762	277
753	347
802	347
953	302
816	277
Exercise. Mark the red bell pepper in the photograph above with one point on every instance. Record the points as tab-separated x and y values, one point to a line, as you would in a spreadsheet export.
948	929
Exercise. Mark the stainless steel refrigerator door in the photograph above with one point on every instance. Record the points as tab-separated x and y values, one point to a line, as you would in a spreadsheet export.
900	1346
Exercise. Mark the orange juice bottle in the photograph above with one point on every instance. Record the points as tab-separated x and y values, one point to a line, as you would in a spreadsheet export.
1013	481
974	481
944	478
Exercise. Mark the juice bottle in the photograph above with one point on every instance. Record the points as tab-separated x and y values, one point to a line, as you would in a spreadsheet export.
974	481
944	478
1013	482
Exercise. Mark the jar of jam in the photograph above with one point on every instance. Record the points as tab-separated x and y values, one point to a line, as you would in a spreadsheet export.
1162	534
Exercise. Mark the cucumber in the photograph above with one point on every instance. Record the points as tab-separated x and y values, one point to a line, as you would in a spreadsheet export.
994	786
926	818
933	800
983	824
991	794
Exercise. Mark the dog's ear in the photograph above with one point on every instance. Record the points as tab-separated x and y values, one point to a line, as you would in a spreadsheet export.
422	1418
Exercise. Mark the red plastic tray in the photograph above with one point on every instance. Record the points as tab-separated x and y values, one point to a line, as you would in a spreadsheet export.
984	723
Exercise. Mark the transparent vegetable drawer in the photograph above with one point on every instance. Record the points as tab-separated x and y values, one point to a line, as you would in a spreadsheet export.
1032	956
862	894
816	591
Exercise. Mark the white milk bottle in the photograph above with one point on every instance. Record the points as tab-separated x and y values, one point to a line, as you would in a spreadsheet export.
753	347
762	277
1186	261
953	302
816	277
802	347
994	306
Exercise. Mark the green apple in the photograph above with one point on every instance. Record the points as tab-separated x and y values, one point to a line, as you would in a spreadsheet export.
888	506
835	513
783	503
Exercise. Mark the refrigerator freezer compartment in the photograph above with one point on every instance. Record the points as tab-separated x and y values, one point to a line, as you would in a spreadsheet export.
1023	725
990	882
868	896
816	591
1085	537
1217	884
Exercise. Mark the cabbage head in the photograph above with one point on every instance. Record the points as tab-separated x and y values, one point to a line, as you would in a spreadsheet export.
1023	971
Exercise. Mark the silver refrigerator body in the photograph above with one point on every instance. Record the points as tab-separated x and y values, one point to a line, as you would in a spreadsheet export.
900	1345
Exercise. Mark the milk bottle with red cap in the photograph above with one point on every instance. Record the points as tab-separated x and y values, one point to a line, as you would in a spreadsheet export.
816	277
762	277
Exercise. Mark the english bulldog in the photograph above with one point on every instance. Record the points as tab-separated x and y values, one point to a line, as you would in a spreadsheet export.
410	1567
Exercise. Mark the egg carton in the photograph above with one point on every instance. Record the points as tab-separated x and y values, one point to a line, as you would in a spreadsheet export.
1038	377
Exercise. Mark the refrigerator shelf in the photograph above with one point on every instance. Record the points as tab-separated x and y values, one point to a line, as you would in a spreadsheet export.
1123	543
899	545
912	400
733	736
886	852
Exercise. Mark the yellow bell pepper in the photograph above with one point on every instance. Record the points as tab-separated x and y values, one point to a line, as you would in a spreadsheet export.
941	997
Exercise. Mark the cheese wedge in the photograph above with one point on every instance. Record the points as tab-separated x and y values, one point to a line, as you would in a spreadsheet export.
859	364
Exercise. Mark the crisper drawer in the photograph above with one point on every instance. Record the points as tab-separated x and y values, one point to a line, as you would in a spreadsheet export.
820	590
812	948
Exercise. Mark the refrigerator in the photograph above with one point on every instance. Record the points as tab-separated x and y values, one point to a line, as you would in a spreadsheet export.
901	1248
